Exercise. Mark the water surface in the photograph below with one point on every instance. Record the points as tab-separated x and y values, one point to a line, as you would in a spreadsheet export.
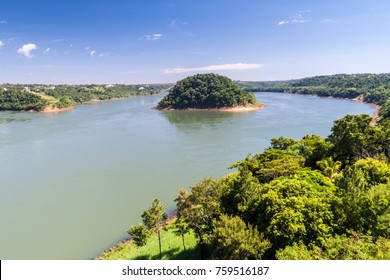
73	182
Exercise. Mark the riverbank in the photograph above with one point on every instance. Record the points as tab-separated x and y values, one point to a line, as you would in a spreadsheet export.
173	246
57	110
222	109
376	108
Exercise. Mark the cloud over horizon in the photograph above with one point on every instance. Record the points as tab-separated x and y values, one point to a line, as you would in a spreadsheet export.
27	49
236	66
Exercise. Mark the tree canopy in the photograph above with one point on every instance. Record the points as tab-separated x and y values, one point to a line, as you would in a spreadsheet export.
205	91
314	198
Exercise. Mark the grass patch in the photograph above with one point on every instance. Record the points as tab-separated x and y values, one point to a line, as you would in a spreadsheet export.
172	248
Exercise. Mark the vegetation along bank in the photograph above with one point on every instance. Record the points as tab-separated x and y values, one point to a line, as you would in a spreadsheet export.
313	198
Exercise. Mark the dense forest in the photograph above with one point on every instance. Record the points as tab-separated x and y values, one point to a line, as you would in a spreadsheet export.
206	91
371	88
313	198
40	97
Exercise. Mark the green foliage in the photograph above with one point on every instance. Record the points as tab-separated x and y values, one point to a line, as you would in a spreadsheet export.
373	88
154	219
355	247
374	171
365	197
172	248
232	239
181	228
182	201
313	148
64	102
206	91
204	205
19	99
271	164
282	143
312	198
29	97
329	167
293	210
353	138
296	251
139	234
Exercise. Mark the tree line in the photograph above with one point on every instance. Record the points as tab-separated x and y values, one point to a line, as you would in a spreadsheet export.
372	88
314	198
37	97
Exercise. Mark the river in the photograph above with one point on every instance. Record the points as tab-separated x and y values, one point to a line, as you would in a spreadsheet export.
73	182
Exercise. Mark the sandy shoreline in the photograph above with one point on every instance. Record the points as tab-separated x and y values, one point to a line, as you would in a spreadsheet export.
223	109
56	110
376	107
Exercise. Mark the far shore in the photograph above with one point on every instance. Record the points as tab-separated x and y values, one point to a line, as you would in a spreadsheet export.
222	109
56	110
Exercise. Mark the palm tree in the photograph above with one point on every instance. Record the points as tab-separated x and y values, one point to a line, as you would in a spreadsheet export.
329	167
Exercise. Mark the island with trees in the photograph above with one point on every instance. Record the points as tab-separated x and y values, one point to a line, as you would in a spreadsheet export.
208	92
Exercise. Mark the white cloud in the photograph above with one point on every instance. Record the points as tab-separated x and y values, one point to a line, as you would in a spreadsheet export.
294	19
92	53
47	50
1	44
237	66
283	22
298	19
177	24
27	49
153	37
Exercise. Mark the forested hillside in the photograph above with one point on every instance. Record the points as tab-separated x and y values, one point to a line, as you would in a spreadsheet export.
372	88
40	97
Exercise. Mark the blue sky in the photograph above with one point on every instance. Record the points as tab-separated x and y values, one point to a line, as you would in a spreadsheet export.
157	41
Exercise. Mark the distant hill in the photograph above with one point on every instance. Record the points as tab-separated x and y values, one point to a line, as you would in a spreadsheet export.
370	88
206	91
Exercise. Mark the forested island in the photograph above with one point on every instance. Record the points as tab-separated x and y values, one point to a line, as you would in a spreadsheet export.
314	198
56	97
207	91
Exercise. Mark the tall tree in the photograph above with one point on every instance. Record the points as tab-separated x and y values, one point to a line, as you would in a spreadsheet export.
139	234
351	137
154	219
